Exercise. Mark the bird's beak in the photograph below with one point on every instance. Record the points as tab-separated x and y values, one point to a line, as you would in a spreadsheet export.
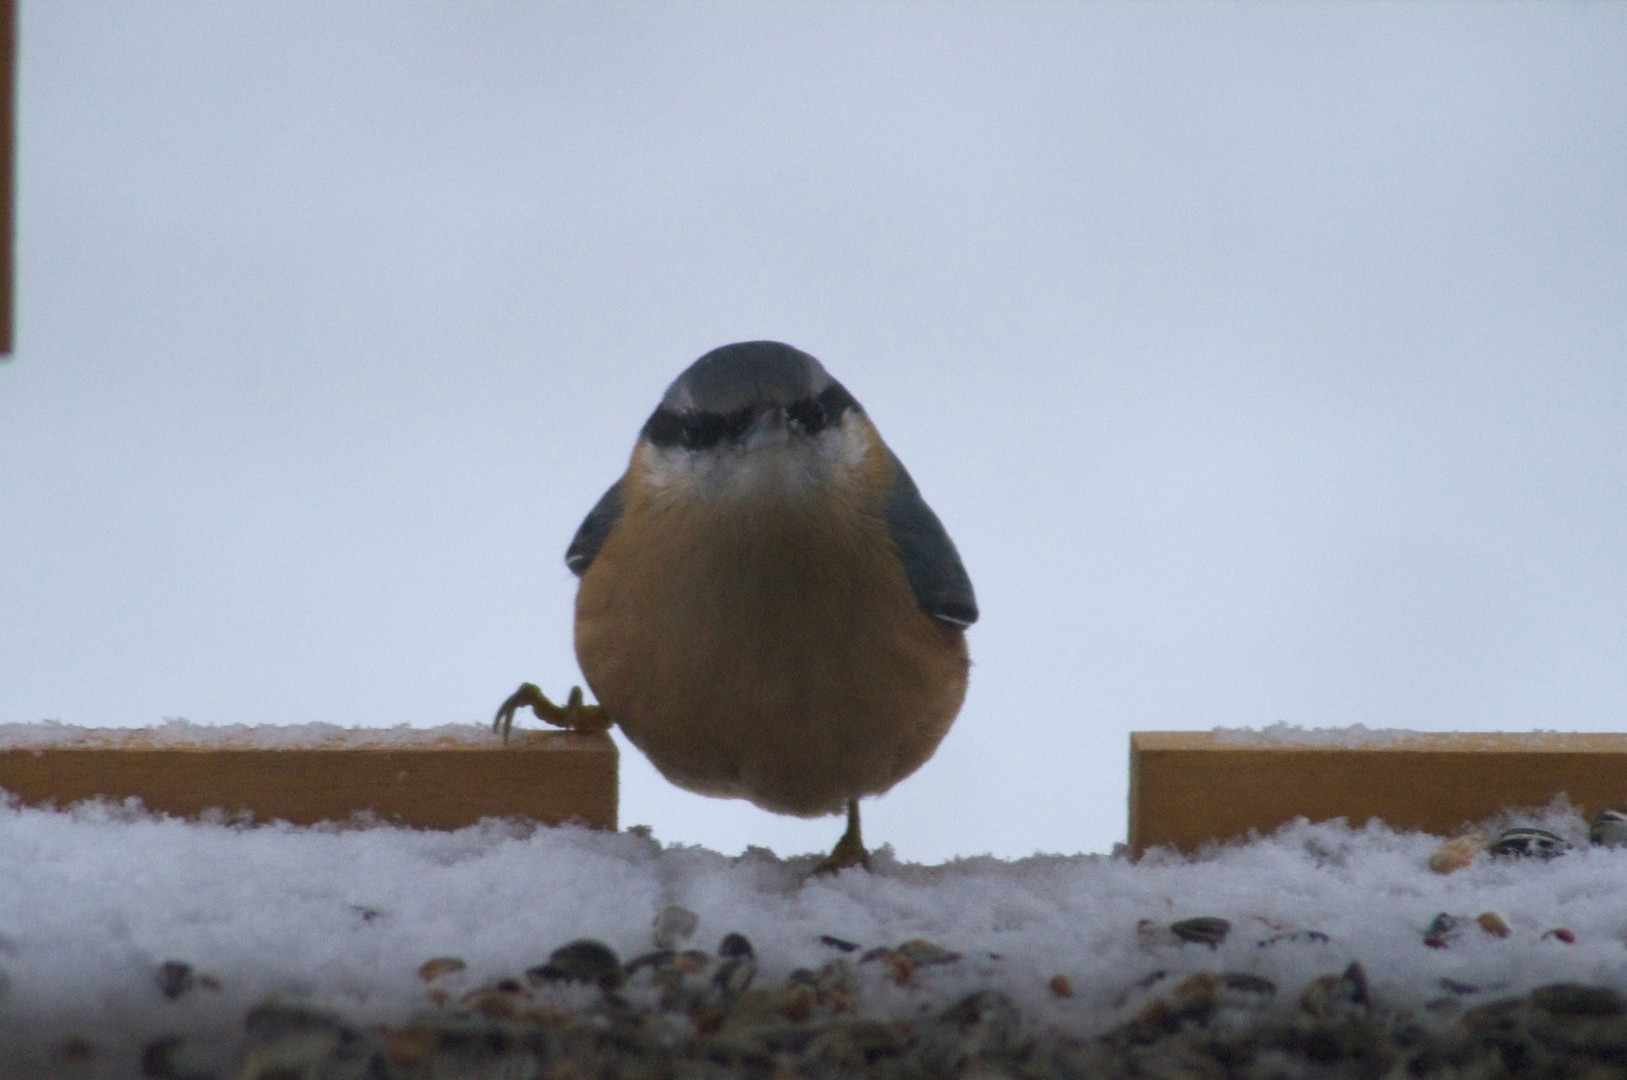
768	428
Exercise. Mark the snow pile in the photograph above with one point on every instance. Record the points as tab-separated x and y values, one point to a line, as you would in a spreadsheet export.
97	899
1361	736
179	734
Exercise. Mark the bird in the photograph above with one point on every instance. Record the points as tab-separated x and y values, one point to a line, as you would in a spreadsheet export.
767	607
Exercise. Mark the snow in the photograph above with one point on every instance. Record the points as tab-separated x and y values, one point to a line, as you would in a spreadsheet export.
177	733
97	897
1358	736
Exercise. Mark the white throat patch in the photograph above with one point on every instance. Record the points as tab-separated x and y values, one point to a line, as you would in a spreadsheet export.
772	461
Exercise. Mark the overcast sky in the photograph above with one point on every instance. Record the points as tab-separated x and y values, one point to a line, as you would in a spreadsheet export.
1265	363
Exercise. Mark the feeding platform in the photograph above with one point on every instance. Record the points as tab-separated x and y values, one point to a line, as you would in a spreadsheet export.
429	778
1191	787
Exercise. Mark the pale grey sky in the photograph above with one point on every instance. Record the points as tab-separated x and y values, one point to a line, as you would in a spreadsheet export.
1265	362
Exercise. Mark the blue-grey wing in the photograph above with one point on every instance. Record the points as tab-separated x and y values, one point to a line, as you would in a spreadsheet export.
930	560
590	537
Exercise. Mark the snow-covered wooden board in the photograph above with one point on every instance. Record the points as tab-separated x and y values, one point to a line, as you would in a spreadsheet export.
442	778
1188	787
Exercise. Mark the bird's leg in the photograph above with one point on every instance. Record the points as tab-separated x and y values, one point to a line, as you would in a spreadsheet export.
849	850
574	715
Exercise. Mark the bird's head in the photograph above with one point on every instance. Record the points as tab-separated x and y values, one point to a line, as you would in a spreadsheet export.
753	420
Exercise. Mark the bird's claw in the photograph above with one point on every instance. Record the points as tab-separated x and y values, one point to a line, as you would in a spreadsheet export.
844	856
574	715
849	850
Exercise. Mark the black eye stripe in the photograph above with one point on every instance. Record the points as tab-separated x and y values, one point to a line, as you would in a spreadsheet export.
695	431
816	414
808	415
664	428
836	401
736	423
705	430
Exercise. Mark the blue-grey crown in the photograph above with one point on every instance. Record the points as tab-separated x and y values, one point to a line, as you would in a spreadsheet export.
717	397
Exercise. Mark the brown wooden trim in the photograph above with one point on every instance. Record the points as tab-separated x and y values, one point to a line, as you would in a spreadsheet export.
547	776
1187	788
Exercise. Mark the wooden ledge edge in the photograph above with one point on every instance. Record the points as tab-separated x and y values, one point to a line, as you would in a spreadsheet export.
552	777
1477	742
1190	788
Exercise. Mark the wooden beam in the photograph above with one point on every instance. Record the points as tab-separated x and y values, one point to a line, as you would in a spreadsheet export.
1187	788
547	776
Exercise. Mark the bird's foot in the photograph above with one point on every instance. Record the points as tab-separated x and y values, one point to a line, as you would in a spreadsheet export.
574	715
843	856
849	850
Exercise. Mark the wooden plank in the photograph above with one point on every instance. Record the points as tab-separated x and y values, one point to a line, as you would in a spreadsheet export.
547	776
1187	788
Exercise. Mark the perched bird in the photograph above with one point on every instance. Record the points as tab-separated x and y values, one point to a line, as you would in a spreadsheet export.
768	609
